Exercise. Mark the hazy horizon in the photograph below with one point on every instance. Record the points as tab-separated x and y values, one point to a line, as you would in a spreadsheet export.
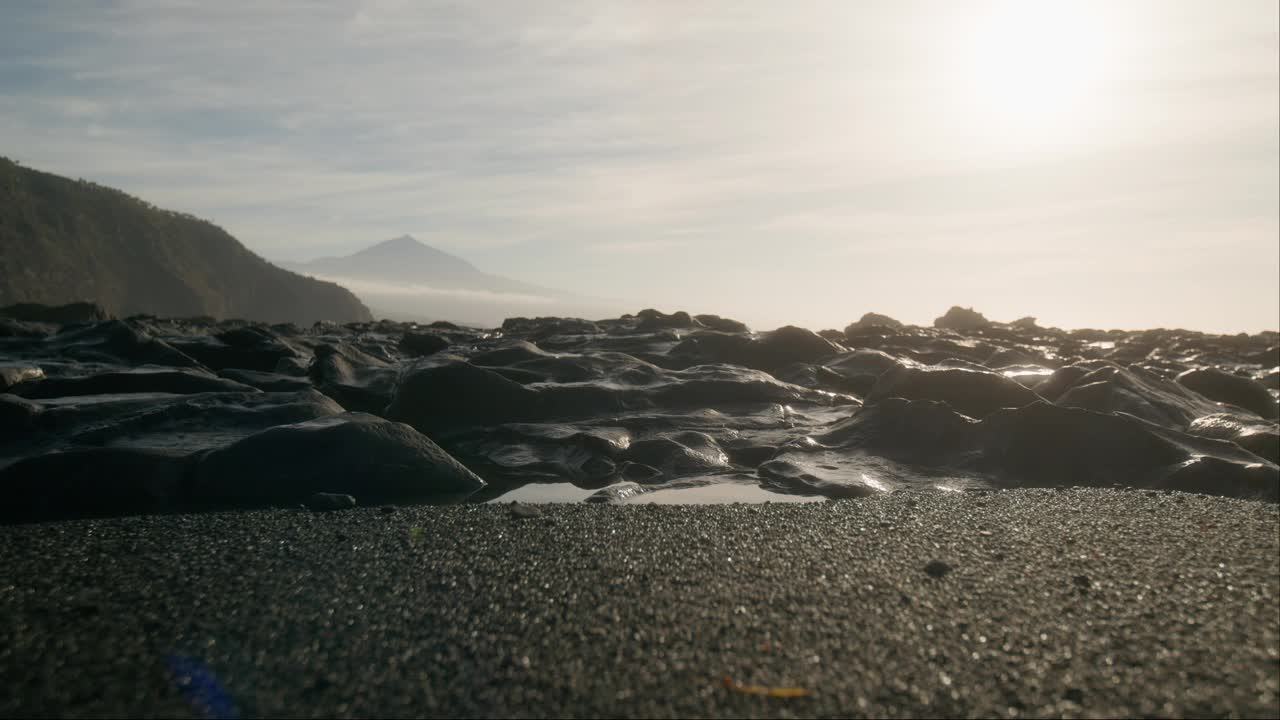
1090	164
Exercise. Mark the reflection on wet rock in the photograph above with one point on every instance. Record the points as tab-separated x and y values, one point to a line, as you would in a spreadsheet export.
973	392
1229	388
151	414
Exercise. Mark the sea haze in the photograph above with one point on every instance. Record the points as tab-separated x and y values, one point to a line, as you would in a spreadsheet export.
405	279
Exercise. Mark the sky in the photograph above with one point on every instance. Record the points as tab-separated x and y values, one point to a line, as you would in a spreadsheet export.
1093	164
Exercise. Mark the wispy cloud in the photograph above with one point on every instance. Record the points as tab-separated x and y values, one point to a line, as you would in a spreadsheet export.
648	148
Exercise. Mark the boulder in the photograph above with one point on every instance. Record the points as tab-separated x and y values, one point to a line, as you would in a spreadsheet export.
974	393
12	374
371	459
1262	439
715	322
1110	389
421	344
356	379
792	344
180	381
1225	387
871	319
962	319
267	381
457	395
682	454
650	320
93	482
17	416
118	342
69	314
251	347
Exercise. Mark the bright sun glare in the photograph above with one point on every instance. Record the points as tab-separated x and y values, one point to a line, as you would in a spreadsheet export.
1033	69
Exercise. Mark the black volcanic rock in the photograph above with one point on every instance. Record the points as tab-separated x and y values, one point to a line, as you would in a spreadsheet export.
962	319
421	344
17	415
684	454
371	459
715	322
976	393
69	314
356	379
792	344
511	353
873	320
12	374
184	424
144	380
63	241
649	320
1233	389
1259	438
788	476
246	348
606	406
544	327
1138	392
266	381
771	351
121	342
459	394
93	482
898	442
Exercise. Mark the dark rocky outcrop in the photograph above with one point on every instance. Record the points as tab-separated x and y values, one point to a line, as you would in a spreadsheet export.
973	392
246	348
119	342
93	482
197	413
1259	438
872	320
421	344
1138	392
12	374
356	379
649	320
1228	388
962	319
768	352
371	459
715	322
70	314
140	380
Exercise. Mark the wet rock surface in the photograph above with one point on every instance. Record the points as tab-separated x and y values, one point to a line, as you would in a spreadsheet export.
235	414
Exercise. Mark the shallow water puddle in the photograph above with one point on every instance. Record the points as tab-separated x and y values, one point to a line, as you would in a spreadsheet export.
545	493
709	494
718	494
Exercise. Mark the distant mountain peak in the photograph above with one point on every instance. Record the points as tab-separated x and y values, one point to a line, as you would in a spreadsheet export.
402	241
402	244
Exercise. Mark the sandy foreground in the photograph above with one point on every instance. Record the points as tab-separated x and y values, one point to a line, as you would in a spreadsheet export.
1017	603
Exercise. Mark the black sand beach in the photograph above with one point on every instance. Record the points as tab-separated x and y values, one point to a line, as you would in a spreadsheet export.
1040	603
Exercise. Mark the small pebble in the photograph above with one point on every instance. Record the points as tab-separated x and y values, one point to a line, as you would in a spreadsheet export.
524	511
330	502
937	568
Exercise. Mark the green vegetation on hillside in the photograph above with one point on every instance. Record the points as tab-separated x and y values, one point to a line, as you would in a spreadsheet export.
64	240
